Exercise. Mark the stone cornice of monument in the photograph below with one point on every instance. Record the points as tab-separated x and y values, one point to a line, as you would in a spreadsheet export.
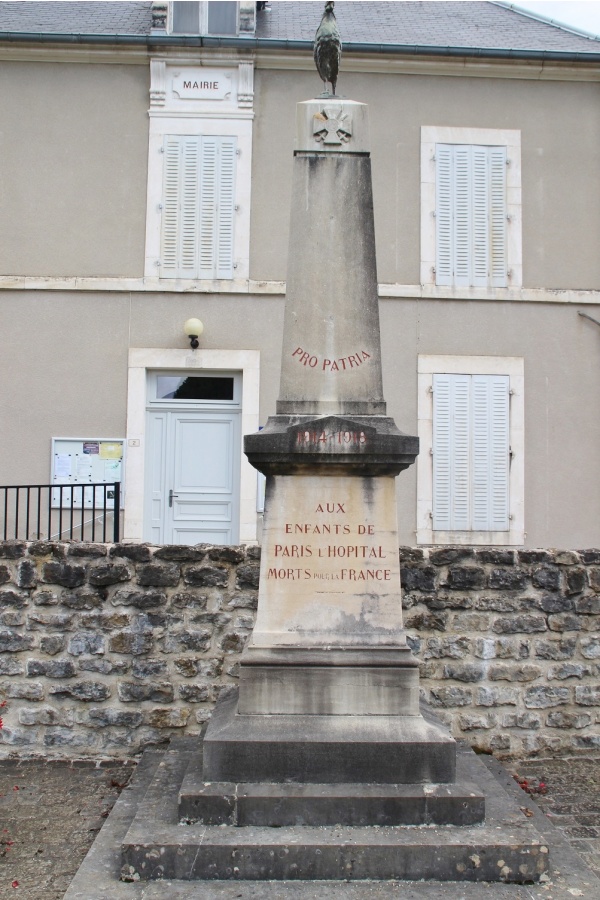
331	411
331	445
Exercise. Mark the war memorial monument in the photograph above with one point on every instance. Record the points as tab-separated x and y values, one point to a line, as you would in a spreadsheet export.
325	737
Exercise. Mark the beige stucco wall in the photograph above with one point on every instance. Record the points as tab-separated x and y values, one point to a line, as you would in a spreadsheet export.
64	357
68	376
74	144
74	151
560	133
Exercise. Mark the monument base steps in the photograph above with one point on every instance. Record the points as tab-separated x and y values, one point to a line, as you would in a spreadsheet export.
278	805
158	845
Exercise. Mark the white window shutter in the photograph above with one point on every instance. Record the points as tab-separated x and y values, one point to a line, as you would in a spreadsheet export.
471	455
498	208
462	216
471	215
209	185
444	240
180	208
226	209
217	199
461	463
442	453
481	452
499	453
188	248
491	459
480	216
451	452
198	207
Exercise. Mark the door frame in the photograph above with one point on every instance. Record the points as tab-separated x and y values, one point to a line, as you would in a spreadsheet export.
247	362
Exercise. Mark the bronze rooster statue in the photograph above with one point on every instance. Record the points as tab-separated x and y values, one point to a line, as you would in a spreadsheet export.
328	48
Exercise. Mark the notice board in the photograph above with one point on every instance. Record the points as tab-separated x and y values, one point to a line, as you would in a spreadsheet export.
86	461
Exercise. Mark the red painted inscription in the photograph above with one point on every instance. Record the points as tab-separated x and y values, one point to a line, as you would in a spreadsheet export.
335	553
352	361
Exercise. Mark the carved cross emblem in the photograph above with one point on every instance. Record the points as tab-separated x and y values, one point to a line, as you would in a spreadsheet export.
332	125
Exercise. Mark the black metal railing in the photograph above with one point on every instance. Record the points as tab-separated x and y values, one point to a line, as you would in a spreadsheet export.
83	512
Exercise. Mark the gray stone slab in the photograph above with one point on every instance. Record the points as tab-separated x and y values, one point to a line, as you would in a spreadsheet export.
156	846
98	877
329	690
326	749
277	805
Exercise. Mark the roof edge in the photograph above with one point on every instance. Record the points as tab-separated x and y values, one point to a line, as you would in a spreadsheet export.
539	17
253	43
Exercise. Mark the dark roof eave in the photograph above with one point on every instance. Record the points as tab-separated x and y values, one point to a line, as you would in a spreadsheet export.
252	43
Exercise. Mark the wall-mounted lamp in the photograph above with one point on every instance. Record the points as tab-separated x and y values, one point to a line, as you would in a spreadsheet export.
193	328
585	316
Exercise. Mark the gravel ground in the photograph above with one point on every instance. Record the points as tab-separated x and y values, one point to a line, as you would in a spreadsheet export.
568	791
51	811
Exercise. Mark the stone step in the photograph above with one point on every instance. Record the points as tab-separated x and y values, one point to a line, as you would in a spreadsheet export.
277	805
507	848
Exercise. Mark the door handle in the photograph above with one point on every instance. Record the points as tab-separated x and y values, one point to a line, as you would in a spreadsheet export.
171	495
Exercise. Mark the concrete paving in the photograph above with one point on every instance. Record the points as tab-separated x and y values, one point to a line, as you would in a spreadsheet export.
49	823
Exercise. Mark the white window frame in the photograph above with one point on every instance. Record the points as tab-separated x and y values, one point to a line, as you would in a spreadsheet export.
230	116
511	366
187	362
491	137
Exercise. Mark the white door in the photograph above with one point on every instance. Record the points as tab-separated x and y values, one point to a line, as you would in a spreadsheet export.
193	466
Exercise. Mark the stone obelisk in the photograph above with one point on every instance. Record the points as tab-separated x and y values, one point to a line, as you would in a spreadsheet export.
328	686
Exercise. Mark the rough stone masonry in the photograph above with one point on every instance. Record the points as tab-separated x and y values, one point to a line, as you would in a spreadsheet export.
107	648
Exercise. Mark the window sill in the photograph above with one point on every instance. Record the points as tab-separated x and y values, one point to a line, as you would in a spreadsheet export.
467	538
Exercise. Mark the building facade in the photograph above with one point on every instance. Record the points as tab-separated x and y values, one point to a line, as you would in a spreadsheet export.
146	178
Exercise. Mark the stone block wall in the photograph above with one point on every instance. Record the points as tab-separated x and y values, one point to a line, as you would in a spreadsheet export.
107	648
509	643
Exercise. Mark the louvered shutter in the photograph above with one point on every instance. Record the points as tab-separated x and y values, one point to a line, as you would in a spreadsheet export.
209	177
451	452
499	401
471	453
442	453
498	262
470	215
198	207
462	211
444	224
480	211
180	208
226	209
217	197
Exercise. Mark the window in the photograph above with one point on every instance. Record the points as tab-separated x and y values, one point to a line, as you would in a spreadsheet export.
194	387
470	469
198	207
470	208
199	174
215	17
